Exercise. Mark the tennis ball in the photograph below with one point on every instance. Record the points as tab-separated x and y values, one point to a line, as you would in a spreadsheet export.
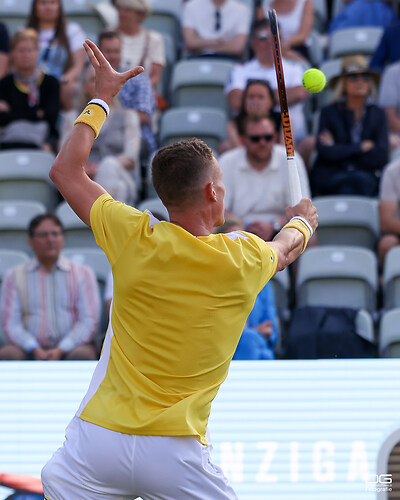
314	80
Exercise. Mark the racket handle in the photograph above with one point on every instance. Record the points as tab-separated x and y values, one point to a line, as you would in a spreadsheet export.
294	182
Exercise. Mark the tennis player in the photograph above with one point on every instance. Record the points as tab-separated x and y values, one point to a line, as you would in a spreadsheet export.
181	299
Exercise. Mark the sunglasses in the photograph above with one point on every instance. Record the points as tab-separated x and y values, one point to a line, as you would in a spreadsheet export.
356	76
217	26
257	138
262	36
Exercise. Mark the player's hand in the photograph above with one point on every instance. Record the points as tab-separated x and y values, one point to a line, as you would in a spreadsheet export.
108	81
306	210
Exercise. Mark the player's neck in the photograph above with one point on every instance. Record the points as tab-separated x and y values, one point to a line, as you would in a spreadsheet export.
194	223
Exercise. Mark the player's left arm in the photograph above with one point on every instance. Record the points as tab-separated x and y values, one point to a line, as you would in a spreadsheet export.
68	172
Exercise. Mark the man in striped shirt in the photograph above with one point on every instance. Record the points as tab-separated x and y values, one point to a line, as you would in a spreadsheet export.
50	306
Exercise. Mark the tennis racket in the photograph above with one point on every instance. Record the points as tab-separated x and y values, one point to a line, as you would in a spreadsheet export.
294	179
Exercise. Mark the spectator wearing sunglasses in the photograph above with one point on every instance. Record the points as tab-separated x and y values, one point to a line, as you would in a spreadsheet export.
215	28
353	138
261	67
256	179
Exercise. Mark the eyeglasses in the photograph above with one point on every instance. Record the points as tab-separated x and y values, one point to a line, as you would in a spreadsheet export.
257	138
356	76
217	20
46	234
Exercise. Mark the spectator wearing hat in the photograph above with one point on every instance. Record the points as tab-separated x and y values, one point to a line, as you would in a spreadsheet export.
353	138
215	28
140	47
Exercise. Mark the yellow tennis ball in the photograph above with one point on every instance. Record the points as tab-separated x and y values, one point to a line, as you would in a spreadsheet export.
314	80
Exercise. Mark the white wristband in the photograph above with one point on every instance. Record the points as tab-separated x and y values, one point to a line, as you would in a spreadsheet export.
304	222
102	104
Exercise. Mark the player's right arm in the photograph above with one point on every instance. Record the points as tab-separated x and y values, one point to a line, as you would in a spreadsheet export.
289	242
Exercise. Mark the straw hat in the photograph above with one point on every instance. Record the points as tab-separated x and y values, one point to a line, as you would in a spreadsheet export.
354	64
138	5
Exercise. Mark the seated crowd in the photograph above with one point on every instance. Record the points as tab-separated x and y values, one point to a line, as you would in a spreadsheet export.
349	145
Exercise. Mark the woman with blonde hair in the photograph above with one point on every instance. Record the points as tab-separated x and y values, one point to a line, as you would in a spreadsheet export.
353	137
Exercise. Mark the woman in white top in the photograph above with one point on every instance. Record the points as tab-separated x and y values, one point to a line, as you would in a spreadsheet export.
60	46
140	47
296	20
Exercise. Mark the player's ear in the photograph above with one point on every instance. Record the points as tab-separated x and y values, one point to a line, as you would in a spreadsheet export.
210	191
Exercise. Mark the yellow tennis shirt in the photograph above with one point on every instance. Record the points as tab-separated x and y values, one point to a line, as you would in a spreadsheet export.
180	303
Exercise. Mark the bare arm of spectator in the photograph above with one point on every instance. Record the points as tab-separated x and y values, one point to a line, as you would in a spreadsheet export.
293	94
78	62
234	98
393	120
306	25
155	74
3	64
193	42
389	221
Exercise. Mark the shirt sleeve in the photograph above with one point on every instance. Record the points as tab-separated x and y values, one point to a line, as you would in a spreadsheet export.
156	48
388	185
88	311
269	258
237	79
188	19
76	36
11	315
112	224
245	20
388	93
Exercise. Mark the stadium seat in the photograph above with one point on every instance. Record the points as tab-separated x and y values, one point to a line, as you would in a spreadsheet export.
10	259
200	82
337	276
81	12
347	220
360	40
15	216
330	68
391	279
389	334
24	174
165	18
14	13
76	233
206	123
155	206
365	325
170	56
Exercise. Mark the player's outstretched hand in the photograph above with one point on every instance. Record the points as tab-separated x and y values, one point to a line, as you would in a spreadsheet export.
108	81
306	210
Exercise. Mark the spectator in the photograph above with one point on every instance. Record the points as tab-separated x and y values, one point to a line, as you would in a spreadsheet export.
140	47
296	21
115	154
136	94
256	179
60	44
261	67
358	13
389	202
215	27
388	50
260	333
352	142
49	306
29	99
4	49
389	99
258	101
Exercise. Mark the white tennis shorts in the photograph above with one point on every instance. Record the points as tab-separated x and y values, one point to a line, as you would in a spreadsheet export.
96	463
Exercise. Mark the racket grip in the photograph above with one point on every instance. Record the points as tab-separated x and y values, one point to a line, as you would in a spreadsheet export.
294	182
